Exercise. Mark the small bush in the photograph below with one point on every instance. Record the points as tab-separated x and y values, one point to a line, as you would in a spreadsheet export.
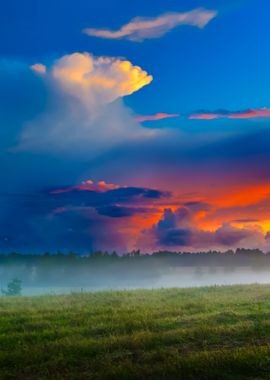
14	288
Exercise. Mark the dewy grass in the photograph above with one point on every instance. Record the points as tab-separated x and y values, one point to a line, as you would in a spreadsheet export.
200	333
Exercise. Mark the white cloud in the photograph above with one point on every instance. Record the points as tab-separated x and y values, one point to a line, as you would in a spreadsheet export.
141	28
98	80
86	112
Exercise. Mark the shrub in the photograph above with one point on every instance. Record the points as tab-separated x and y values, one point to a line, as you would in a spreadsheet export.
14	288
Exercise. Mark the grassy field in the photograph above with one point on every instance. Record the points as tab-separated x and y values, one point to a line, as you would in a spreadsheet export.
204	333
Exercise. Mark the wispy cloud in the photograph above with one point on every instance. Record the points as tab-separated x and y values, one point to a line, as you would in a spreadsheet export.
142	28
246	114
157	116
39	68
251	113
87	185
205	116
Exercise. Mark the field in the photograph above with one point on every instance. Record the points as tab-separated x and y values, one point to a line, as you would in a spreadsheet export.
203	333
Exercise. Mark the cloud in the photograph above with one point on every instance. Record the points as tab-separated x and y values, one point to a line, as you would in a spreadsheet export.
84	217
115	211
173	228
251	113
245	221
87	185
179	229
247	114
227	235
99	194
141	28
85	113
98	80
100	215
39	68
205	116
208	115
157	116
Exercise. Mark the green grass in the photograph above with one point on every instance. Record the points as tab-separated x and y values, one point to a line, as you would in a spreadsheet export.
204	333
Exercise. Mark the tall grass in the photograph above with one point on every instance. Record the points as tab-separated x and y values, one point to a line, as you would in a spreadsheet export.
202	333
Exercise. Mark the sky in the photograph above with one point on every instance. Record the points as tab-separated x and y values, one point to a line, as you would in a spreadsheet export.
141	125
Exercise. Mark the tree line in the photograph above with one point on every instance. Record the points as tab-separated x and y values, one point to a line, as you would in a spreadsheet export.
111	269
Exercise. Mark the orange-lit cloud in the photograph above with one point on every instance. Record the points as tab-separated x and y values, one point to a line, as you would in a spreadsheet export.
252	113
157	116
205	116
244	195
141	28
179	229
247	114
240	204
98	80
39	68
85	112
88	185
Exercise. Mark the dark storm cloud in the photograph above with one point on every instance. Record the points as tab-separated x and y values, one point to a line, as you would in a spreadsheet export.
76	196
172	229
120	211
76	219
178	229
228	235
177	237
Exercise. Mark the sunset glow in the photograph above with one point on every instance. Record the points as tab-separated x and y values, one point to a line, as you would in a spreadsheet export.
138	131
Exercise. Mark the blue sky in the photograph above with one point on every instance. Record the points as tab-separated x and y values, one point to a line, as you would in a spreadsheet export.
225	65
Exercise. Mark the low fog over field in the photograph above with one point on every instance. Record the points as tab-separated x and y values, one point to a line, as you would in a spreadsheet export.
187	277
59	273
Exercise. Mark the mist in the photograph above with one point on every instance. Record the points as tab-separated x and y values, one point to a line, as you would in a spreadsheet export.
63	274
172	279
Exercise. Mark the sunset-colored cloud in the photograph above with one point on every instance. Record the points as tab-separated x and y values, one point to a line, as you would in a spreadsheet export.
85	112
178	228
208	115
239	204
98	80
87	185
205	116
141	28
246	114
39	68
251	113
157	116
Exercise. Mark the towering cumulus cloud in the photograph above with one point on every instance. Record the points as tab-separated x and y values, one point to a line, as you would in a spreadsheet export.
142	28
97	81
85	111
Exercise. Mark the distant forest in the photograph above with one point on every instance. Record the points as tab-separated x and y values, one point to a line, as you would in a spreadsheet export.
110	269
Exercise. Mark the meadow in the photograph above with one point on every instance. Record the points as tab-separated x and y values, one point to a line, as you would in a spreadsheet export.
197	333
